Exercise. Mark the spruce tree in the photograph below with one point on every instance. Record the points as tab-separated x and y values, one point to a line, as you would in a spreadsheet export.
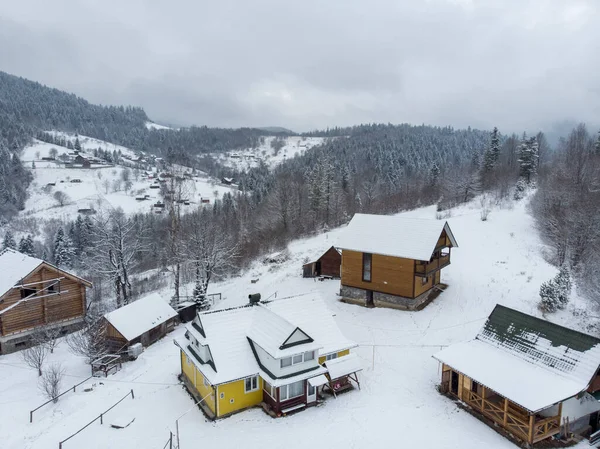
495	146
26	246
434	174
528	157
9	241
77	145
63	250
563	285
549	294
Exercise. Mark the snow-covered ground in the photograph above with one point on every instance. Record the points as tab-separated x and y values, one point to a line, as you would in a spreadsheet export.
152	125
498	261
97	188
252	157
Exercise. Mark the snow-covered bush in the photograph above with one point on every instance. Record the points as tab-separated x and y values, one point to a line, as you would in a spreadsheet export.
549	296
520	189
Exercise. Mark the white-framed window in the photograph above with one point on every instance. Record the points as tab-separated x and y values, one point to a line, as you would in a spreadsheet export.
298	358
331	356
291	391
251	384
270	389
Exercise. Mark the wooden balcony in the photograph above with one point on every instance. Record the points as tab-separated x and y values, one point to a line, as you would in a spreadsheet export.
529	428
436	264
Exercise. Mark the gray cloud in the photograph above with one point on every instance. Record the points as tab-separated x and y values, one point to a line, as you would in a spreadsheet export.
517	64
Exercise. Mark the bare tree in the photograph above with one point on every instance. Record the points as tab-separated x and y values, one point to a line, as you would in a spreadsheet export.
61	198
35	356
117	241
90	342
47	336
51	381
53	153
209	251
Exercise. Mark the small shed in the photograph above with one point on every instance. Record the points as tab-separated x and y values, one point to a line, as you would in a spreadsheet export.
144	321
326	265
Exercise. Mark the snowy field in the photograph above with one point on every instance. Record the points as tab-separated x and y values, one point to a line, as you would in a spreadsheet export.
252	157
97	187
498	261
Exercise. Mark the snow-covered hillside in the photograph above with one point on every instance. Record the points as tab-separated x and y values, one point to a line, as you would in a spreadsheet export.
101	186
265	152
497	261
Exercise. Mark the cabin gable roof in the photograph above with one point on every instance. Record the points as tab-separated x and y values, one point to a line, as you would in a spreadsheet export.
396	236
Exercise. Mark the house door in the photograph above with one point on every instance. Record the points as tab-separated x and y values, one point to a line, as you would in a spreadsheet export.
318	268
369	298
311	393
454	383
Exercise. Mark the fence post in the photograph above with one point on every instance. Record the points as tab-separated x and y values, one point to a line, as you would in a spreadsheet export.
101	421
132	396
30	417
171	440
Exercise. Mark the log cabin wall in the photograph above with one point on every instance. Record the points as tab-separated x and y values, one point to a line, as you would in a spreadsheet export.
392	275
42	310
330	263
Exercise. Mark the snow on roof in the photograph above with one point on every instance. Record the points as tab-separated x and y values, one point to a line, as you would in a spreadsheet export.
140	316
14	266
530	361
227	333
397	236
343	366
271	331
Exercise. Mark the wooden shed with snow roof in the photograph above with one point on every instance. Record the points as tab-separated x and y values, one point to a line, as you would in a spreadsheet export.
393	261
533	378
143	321
35	294
328	264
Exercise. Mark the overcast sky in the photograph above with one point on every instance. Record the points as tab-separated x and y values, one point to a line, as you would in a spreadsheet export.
304	64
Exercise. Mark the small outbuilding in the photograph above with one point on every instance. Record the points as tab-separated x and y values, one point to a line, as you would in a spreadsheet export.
326	265
144	321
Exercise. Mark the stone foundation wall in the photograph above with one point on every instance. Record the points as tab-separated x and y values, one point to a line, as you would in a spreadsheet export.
358	296
23	340
354	295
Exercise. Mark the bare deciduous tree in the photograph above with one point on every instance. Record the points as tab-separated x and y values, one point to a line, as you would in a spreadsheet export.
61	198
35	356
51	381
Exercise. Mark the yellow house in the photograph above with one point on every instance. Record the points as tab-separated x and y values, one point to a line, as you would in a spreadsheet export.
282	355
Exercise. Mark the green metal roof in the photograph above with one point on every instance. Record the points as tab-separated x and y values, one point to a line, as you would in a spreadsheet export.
537	340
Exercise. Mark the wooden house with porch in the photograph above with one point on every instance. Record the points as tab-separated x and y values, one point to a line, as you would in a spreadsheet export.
393	261
283	356
143	321
532	378
35	295
328	264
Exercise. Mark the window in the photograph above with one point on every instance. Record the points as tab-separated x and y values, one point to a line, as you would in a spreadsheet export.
291	391
298	358
25	292
205	382
311	390
251	384
269	389
331	356
367	259
474	386
51	287
285	362
424	280
187	360
222	395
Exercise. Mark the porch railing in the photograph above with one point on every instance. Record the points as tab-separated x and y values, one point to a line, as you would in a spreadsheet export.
436	264
546	428
496	413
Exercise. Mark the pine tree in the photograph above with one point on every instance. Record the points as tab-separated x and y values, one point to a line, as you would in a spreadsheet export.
434	174
63	250
492	154
520	189
563	284
549	294
528	157
26	246
9	241
77	145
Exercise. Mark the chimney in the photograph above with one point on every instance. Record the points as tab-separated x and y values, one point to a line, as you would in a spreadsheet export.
254	298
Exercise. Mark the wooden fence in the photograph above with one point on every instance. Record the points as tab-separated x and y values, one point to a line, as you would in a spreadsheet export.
53	399
99	417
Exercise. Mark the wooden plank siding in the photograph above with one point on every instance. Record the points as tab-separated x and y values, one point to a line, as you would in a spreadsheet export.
392	275
46	309
330	263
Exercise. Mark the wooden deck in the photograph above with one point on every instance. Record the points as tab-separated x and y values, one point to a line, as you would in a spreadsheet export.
432	267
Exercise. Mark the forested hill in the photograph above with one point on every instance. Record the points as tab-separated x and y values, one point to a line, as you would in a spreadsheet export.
27	107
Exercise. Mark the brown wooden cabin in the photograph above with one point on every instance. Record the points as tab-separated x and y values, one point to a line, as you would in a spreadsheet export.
144	321
34	295
392	261
532	378
326	265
